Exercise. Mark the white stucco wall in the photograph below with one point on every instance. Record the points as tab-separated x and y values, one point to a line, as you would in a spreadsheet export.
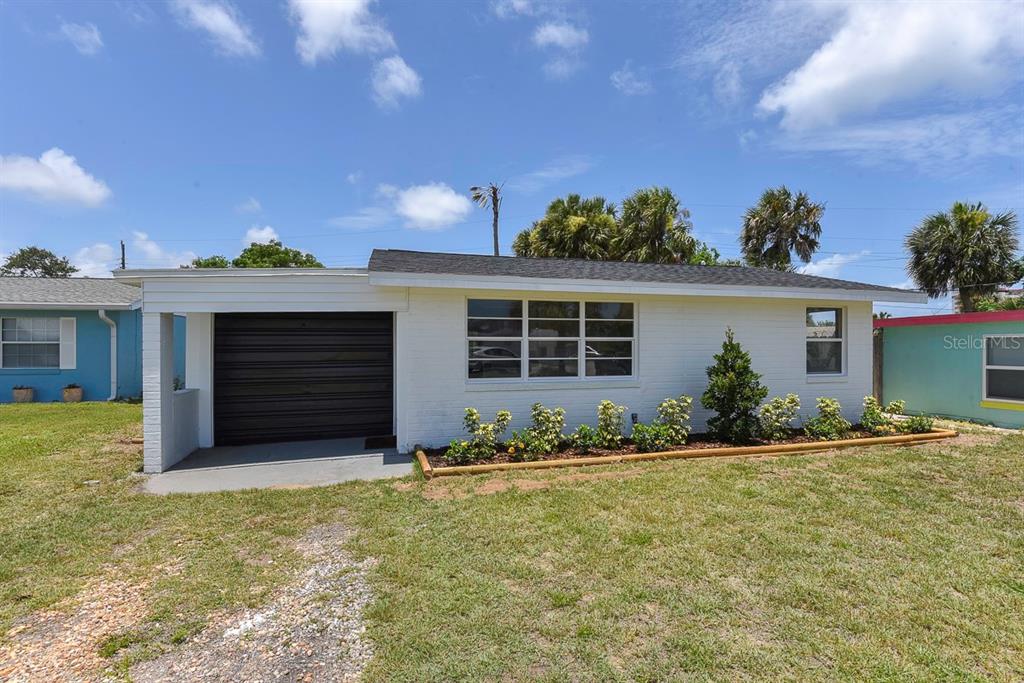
676	339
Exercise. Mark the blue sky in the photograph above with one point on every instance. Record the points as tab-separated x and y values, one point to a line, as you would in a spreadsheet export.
183	127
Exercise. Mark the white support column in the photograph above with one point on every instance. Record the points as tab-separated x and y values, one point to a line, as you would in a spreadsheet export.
199	369
401	383
157	390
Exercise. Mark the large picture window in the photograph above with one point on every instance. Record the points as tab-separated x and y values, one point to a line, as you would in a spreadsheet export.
515	339
824	341
1004	368
30	342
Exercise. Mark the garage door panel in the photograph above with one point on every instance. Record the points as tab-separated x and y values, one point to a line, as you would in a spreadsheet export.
282	377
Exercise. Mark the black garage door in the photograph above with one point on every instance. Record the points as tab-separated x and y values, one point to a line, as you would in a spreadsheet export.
297	376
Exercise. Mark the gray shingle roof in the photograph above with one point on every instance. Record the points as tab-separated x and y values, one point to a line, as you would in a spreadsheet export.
76	291
420	262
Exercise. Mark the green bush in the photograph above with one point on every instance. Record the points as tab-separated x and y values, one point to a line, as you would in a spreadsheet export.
609	424
674	415
584	438
829	424
653	437
879	422
734	392
483	439
775	418
545	436
917	424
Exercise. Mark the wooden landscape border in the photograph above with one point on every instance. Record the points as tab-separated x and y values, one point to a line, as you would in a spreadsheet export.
732	451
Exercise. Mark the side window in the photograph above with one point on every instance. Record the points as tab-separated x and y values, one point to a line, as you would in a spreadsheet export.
824	341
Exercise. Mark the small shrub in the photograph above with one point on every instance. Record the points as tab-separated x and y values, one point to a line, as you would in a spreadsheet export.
584	439
609	424
896	407
734	392
674	415
516	447
545	434
917	424
483	437
775	419
879	422
829	424
653	437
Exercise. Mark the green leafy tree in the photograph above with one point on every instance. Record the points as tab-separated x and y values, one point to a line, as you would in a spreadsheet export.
572	227
489	197
37	262
780	225
270	254
655	228
215	261
734	392
967	249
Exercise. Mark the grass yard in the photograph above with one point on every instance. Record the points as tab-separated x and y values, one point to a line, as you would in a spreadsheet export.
873	563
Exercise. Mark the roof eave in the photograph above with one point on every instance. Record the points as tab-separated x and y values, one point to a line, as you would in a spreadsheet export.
62	306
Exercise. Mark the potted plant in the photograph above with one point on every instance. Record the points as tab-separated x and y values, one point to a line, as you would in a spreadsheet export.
23	394
73	393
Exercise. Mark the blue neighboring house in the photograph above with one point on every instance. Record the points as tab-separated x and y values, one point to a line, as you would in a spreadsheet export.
84	331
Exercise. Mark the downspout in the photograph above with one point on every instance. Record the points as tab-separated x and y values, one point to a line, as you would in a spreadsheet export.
113	353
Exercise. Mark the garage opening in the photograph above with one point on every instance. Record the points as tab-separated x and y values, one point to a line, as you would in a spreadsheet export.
302	376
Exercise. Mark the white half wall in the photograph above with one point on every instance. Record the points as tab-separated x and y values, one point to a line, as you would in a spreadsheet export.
199	371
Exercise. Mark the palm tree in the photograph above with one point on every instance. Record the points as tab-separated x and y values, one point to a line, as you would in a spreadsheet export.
967	249
572	227
654	228
489	196
779	225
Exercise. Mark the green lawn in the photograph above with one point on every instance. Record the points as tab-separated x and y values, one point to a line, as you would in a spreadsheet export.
879	563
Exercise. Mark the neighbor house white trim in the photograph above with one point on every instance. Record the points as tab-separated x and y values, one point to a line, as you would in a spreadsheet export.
113	352
985	367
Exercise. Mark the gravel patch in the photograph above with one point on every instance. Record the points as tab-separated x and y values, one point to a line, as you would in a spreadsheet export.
311	630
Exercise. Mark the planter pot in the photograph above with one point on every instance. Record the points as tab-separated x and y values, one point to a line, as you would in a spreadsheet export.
24	395
73	395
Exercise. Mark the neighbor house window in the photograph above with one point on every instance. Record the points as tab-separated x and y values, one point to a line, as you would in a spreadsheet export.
514	339
30	343
824	341
1004	368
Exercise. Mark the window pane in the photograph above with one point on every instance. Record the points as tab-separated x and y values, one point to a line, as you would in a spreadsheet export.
609	349
1005	351
609	368
610	311
824	323
554	309
554	328
495	308
483	350
553	349
554	368
824	357
608	328
1008	384
483	327
492	369
31	355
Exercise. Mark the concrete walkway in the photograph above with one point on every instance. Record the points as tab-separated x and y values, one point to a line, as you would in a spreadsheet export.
279	465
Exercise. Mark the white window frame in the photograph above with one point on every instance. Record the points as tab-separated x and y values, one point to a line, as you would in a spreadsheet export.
60	343
828	340
985	367
581	341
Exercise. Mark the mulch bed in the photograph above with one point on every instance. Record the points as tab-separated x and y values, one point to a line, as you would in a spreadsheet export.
696	442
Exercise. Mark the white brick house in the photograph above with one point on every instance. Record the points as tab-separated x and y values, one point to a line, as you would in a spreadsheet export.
403	346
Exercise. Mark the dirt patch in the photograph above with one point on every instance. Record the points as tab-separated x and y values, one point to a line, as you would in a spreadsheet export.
312	629
62	644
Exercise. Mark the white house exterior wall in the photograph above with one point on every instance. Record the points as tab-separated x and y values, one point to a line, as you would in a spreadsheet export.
676	339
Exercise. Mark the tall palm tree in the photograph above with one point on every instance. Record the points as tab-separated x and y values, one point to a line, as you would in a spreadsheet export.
780	224
489	196
572	227
654	228
967	249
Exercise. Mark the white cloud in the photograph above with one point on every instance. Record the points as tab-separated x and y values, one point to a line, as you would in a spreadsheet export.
885	53
85	37
145	253
510	8
433	206
354	177
393	79
831	265
560	34
261	235
552	172
727	85
560	68
96	260
54	176
629	82
328	27
366	218
222	23
250	205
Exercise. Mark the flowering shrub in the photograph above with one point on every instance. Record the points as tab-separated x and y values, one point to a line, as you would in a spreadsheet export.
584	438
775	418
829	424
545	435
917	424
518	447
674	416
653	437
876	421
483	437
609	424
